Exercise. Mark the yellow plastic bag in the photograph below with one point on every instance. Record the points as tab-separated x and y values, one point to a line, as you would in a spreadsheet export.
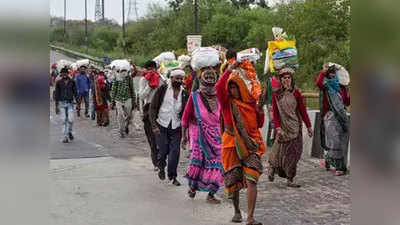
274	45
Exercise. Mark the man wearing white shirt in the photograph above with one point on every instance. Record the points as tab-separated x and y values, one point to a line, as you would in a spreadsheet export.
166	111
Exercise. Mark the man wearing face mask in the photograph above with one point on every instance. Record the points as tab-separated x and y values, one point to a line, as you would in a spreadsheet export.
83	87
65	94
166	111
123	97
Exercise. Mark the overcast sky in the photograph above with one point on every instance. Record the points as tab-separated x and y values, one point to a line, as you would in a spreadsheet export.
113	8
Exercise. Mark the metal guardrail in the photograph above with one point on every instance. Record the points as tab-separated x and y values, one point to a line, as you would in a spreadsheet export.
80	55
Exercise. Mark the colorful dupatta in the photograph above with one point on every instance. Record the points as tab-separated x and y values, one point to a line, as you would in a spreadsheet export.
208	139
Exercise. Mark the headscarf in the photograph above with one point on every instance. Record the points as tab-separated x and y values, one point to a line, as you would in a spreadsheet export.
206	87
332	84
287	71
207	90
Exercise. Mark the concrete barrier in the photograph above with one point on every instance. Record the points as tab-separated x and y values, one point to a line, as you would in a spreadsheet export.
77	55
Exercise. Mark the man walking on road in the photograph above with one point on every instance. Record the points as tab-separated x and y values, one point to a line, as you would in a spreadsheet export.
123	97
166	111
146	94
65	94
83	86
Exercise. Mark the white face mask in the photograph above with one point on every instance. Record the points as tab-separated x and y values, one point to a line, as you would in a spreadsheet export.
124	74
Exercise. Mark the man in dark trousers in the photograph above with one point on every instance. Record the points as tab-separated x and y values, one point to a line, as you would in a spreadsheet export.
65	94
146	93
83	86
166	111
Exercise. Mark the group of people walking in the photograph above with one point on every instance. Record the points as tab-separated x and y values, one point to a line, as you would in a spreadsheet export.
218	112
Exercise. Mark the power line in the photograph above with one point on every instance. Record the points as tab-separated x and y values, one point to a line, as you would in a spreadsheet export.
132	9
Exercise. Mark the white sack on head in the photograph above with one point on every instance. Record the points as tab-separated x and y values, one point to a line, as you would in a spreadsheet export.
165	56
63	63
82	62
342	73
251	54
204	57
184	60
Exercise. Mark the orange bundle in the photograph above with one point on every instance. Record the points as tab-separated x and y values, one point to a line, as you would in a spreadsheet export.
251	75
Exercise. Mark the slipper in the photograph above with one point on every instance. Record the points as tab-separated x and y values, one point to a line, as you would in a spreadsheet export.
254	223
237	218
323	163
213	200
293	185
339	173
191	193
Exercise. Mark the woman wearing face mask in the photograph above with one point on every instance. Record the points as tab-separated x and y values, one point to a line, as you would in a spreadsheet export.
335	122
289	112
203	111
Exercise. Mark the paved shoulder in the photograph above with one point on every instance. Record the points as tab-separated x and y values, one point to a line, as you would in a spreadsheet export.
124	191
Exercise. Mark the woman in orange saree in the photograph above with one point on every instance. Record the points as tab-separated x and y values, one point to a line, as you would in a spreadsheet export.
242	143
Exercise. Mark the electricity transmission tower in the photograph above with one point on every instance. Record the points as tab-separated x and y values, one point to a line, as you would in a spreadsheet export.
99	10
132	10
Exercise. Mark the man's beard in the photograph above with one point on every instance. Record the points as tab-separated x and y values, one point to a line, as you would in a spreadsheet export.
176	84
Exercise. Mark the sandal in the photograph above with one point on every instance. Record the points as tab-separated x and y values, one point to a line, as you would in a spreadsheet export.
271	174
254	223
293	185
211	199
323	163
237	218
340	173
192	193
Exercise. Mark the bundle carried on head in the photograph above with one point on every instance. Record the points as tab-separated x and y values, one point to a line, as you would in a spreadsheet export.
167	66
121	64
62	64
251	54
281	52
83	62
341	72
184	60
163	57
204	57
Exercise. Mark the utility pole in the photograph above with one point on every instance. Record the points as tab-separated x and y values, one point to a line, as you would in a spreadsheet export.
123	26
102	9
196	22
86	29
65	20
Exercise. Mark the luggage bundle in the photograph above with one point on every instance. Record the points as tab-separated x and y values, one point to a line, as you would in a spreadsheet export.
165	56
281	52
205	57
342	73
184	60
251	54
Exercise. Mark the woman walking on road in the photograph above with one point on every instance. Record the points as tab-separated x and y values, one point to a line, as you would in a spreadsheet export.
203	111
288	111
242	143
335	122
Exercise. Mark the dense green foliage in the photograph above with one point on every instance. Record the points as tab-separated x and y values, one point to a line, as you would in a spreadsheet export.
320	27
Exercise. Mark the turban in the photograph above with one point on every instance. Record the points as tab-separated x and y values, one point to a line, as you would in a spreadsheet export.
177	72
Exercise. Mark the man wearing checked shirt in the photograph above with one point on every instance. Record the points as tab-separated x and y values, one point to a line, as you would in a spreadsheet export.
123	98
